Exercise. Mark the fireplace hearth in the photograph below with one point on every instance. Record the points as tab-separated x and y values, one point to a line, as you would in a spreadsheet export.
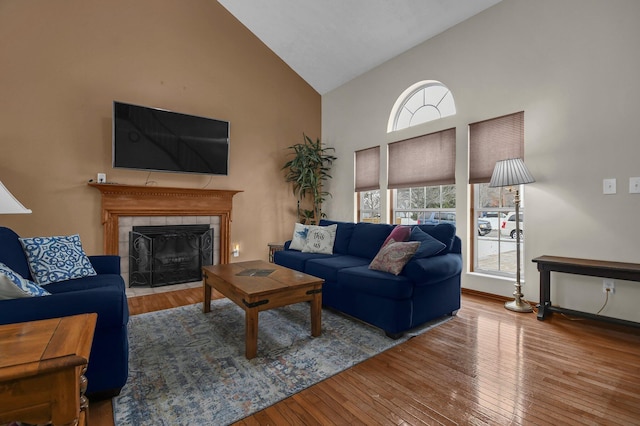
169	254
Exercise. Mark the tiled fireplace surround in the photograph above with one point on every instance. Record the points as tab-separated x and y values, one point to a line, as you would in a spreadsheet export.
125	206
125	225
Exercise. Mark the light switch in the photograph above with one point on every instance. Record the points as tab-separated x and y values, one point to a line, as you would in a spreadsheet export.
634	185
609	186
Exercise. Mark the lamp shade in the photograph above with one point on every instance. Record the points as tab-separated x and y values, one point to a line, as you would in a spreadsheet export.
510	172
9	204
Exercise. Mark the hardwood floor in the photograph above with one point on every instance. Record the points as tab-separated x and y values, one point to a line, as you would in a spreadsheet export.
487	365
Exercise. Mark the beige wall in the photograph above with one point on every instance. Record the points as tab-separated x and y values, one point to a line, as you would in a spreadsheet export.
63	64
573	67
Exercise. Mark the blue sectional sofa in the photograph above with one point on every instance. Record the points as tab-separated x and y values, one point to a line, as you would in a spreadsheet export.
103	293
427	288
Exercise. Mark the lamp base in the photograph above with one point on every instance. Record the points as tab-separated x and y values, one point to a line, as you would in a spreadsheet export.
518	306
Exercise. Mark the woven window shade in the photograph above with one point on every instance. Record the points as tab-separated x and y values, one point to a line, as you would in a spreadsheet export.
493	140
423	161
368	169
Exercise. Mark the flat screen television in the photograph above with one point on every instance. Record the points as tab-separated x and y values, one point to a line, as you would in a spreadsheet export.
158	140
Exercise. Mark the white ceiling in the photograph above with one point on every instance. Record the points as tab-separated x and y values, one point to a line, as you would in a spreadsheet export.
329	42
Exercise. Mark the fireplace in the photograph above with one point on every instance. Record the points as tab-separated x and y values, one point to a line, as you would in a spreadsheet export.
169	254
124	206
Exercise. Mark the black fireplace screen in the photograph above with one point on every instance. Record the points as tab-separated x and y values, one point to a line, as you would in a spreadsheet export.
171	254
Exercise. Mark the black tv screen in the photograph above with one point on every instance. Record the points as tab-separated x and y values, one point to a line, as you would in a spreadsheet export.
159	140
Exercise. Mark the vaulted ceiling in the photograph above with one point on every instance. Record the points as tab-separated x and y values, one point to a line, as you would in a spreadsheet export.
329	42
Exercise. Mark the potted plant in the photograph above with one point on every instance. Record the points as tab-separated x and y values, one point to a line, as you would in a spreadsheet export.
307	171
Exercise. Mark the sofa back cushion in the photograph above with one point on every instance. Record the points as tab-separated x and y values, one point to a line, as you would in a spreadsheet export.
343	235
12	254
367	238
443	232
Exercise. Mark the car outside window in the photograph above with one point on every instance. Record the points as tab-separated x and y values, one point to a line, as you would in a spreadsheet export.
494	252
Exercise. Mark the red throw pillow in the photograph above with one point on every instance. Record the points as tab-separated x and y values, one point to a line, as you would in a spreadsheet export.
399	234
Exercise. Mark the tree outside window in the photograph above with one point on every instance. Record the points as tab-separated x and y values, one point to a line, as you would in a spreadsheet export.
369	210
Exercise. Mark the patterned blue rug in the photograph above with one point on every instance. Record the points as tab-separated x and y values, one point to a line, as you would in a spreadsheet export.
189	368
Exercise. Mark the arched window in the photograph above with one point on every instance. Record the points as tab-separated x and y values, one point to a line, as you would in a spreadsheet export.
424	101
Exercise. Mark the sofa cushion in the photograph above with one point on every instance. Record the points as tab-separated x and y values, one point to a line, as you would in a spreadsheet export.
327	268
13	286
88	283
320	239
367	238
294	259
443	232
393	256
11	253
343	234
381	284
59	258
429	246
105	296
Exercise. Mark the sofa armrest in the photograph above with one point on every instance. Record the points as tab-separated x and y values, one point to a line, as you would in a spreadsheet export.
109	303
457	245
433	269
106	264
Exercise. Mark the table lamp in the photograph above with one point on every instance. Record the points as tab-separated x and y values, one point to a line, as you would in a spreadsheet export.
9	204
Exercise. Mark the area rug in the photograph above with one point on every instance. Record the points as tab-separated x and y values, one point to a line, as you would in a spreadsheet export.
189	368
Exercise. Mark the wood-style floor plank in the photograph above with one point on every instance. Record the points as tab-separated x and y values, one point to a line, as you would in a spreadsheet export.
487	365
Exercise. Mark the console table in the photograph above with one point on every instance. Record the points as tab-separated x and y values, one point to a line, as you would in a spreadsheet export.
42	370
589	267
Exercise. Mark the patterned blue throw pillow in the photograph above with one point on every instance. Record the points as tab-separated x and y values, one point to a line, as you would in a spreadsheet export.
53	259
13	286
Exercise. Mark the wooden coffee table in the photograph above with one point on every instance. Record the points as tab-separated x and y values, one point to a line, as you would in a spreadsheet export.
259	286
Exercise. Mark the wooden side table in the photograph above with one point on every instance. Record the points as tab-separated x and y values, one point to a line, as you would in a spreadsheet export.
588	267
274	247
42	370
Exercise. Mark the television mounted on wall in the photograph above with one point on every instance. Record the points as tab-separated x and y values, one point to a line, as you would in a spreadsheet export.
154	139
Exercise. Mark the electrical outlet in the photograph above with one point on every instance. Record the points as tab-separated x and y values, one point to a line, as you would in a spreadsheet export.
609	186
608	285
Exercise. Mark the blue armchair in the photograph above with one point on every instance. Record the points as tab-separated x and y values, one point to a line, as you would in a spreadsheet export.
103	294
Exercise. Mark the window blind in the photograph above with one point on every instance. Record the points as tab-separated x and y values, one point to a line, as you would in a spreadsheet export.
423	161
368	169
493	140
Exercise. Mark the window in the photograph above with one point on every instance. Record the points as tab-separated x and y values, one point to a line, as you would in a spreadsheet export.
493	215
367	184
369	206
421	170
424	101
495	251
425	205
